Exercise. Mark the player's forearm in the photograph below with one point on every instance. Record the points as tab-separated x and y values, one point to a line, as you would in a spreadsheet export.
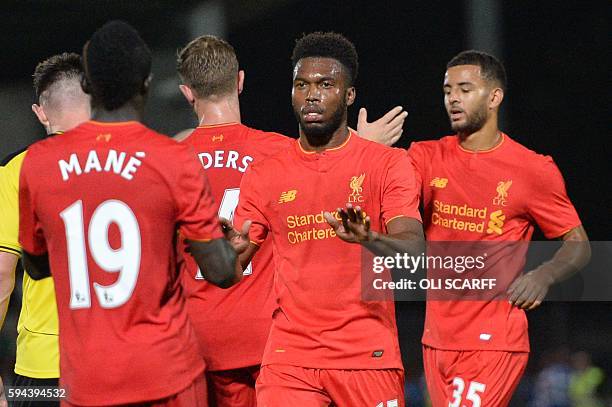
573	255
8	262
411	242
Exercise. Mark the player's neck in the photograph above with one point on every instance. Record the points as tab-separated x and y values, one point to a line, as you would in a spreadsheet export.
226	110
61	127
338	138
67	122
486	138
126	113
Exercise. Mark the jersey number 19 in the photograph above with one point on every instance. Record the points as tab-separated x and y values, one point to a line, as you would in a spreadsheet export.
125	260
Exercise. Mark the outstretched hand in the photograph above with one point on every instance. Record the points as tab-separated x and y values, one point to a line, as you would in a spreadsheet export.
238	239
354	225
386	130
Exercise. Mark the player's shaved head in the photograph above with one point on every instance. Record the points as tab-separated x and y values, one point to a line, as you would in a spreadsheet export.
117	65
61	102
491	69
58	73
328	45
62	92
208	65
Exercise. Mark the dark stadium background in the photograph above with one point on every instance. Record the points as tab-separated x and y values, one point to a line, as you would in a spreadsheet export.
557	102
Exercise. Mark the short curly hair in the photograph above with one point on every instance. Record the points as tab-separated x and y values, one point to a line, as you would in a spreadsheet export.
209	66
65	66
328	45
490	67
117	62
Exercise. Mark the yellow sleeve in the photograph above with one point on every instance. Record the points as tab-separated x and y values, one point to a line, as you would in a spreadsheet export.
9	205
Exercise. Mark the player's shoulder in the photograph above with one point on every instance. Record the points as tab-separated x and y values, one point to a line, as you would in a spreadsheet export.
384	154
39	149
163	141
11	167
267	141
276	159
430	147
267	135
166	147
368	145
526	156
14	157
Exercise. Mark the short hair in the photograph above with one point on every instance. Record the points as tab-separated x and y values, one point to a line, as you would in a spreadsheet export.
209	66
117	62
490	67
328	45
57	68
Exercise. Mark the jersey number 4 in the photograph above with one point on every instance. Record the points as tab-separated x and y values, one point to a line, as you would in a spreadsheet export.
125	260
229	202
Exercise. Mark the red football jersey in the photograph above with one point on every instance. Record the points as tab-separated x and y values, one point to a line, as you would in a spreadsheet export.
241	315
498	196
105	201
321	320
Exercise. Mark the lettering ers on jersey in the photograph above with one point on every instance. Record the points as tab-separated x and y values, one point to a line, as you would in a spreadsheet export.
225	159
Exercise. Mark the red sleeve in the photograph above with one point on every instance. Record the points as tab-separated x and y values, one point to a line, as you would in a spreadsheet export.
416	156
550	206
251	206
31	237
400	195
196	209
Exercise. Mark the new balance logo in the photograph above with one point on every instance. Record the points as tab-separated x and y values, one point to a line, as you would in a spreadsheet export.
496	222
287	196
217	138
439	182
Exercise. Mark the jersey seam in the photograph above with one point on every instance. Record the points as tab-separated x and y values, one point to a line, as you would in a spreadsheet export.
38	333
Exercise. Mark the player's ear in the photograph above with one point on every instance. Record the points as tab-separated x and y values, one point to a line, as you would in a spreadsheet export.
496	97
146	84
188	93
85	85
84	82
40	114
240	81
351	93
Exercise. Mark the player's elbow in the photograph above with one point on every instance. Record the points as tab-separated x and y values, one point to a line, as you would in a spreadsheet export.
576	242
586	253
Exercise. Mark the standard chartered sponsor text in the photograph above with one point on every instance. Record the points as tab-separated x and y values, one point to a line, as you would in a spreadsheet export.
442	210
315	232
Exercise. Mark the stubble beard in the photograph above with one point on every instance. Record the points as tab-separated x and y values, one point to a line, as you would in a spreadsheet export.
320	134
473	123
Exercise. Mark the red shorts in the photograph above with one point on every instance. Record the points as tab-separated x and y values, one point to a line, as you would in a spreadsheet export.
236	387
192	396
284	385
472	378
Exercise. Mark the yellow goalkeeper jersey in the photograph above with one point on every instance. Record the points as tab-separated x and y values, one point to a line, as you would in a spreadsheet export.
37	329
